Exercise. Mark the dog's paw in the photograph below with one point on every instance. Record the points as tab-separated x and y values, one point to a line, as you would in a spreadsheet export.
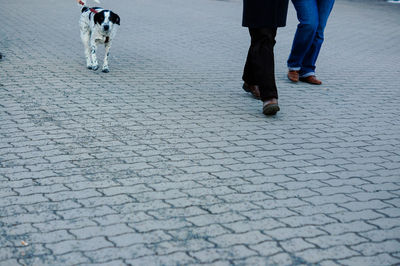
89	67
105	69
95	68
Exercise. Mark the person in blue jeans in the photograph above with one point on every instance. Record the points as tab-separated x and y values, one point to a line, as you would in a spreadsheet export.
313	16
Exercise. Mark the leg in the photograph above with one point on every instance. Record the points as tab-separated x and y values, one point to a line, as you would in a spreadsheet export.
324	10
307	14
248	74
93	48
261	62
85	37
105	68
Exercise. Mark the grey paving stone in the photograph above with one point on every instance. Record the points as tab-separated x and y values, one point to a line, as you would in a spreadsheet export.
111	201
170	213
85	212
187	202
68	246
9	262
121	218
12	210
297	221
312	210
266	187
268	213
78	194
295	245
370	249
295	193
198	232
95	231
286	233
265	225
267	248
216	254
364	205
337	240
381	235
52	206
283	259
350	216
140	238
168	247
108	254
327	199
50	226
50	237
22	200
390	212
151	225
178	258
135	207
253	237
316	255
340	228
381	259
208	219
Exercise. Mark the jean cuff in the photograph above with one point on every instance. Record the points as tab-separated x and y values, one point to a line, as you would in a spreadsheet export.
307	74
294	68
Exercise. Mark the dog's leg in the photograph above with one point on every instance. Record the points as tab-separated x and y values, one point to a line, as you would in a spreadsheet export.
105	68
93	48
85	36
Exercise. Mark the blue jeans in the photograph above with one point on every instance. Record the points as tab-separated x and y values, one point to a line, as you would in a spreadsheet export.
312	15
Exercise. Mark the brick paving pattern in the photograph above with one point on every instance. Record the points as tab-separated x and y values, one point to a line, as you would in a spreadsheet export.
167	161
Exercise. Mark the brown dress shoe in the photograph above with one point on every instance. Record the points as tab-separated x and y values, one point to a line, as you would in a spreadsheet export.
293	75
270	107
253	89
312	80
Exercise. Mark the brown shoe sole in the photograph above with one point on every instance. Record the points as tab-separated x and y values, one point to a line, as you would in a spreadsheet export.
306	80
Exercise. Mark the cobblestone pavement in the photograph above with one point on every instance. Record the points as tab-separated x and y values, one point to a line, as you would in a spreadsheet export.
166	160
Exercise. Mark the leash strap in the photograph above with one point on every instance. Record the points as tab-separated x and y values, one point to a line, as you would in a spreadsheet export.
91	9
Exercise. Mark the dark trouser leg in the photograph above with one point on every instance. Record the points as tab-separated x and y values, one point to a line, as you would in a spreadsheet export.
260	69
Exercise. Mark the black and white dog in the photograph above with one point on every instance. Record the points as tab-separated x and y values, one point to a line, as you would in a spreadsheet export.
98	26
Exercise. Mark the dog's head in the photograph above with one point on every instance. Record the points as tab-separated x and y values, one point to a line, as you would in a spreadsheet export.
107	20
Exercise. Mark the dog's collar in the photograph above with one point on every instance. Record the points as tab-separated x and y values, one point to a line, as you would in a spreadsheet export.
93	10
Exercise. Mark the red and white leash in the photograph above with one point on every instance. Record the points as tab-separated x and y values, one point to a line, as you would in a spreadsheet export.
83	4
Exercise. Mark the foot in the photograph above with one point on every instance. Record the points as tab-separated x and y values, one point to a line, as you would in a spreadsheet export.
312	80
253	89
270	107
293	75
105	69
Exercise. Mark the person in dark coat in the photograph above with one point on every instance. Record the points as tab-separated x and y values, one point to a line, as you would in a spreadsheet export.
263	17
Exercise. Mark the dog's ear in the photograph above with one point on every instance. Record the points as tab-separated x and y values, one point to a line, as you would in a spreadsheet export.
115	18
98	18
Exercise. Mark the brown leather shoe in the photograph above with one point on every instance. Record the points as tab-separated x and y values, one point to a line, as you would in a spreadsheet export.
312	80
270	107
253	89
293	75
